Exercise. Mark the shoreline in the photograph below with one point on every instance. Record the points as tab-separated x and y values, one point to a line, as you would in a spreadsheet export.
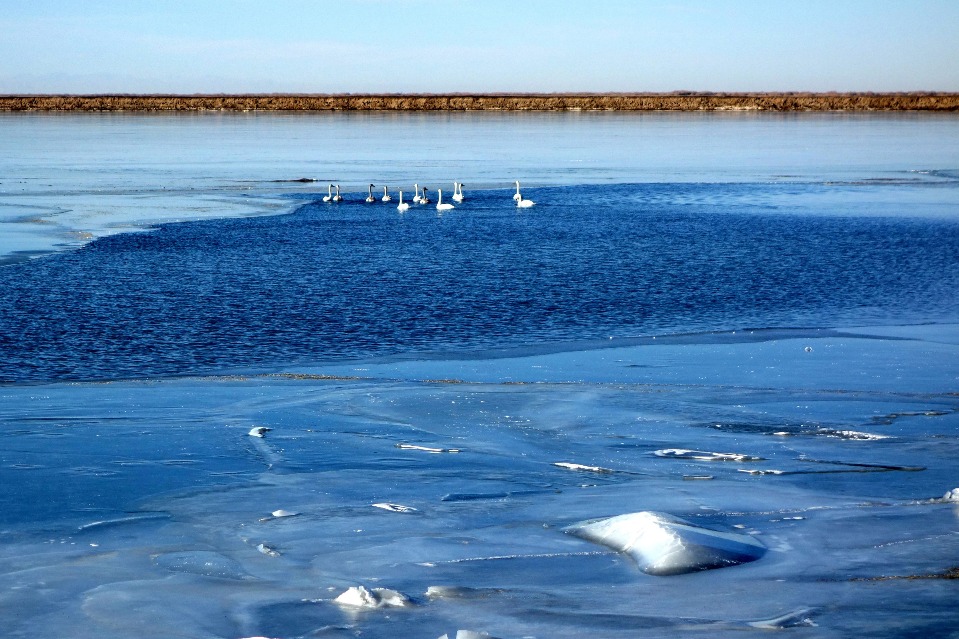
676	101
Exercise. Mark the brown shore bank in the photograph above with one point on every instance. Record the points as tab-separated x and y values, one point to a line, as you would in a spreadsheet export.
676	101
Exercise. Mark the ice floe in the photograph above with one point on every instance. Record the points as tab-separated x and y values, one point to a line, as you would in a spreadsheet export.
702	455
427	449
396	508
665	545
201	562
793	619
583	467
951	496
280	514
852	434
360	597
460	592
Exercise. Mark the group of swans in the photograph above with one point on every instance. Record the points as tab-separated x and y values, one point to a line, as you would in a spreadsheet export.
333	198
422	199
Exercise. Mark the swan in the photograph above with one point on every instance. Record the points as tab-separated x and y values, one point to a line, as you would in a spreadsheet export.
520	202
416	193
337	197
386	196
423	198
402	206
329	195
457	191
370	198
439	202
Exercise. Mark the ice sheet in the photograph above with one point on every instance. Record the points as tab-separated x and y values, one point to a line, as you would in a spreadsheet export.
130	501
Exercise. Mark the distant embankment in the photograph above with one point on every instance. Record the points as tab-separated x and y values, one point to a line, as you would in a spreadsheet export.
677	101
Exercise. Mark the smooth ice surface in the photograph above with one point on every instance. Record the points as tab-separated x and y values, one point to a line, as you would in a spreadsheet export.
215	428
665	545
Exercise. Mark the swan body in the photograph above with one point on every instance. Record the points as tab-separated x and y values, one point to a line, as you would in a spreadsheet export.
520	202
402	206
457	192
439	202
370	198
329	194
423	198
386	196
416	193
337	197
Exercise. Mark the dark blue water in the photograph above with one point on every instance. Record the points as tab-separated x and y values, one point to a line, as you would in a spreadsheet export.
355	280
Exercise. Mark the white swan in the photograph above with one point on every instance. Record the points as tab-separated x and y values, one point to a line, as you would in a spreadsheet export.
370	198
457	191
520	202
386	196
337	197
416	193
402	206
423	198
439	202
329	195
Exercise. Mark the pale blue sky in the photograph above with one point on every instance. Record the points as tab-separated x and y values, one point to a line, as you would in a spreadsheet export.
431	46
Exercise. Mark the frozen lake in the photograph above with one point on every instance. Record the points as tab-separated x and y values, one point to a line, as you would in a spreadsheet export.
746	325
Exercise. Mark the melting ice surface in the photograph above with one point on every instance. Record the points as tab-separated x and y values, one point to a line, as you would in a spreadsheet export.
220	428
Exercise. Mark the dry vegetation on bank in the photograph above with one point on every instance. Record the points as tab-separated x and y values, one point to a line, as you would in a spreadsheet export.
677	101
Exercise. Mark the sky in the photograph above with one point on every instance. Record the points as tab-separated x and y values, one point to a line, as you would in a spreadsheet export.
438	46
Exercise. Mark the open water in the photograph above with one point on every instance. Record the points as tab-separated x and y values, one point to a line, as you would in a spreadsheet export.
746	321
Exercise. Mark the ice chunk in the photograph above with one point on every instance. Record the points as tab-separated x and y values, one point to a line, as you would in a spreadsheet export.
702	455
665	545
201	562
460	592
753	471
427	449
395	508
360	597
952	495
792	619
582	467
852	434
468	634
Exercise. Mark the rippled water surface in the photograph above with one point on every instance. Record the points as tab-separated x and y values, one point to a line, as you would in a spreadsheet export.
747	322
355	279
